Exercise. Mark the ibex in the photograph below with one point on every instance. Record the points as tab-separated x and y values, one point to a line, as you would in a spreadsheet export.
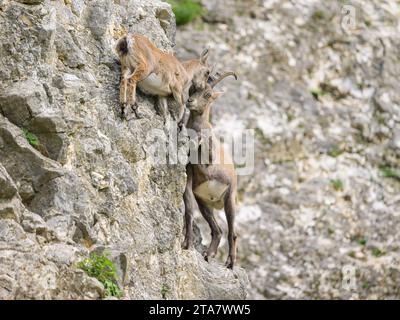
157	73
213	185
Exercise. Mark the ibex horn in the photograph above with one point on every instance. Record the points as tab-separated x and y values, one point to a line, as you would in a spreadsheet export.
211	78
222	77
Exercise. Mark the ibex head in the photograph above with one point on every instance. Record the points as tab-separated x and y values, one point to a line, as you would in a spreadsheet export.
201	99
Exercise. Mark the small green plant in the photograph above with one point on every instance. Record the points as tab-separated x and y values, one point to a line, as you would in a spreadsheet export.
318	15
104	270
380	119
335	152
337	184
389	172
31	138
352	254
376	252
366	285
164	290
317	92
362	241
290	117
185	10
260	136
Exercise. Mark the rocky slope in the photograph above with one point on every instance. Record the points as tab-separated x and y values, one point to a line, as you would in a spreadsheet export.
319	217
88	183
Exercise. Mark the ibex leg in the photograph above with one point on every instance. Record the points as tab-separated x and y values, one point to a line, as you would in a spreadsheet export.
216	231
188	198
230	218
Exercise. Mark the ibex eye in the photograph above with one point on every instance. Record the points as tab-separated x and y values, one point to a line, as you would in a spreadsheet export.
207	95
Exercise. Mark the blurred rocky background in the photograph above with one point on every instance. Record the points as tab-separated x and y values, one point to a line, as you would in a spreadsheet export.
318	83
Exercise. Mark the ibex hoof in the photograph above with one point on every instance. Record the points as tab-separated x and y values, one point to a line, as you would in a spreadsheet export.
229	263
134	108
180	126
186	245
207	255
123	111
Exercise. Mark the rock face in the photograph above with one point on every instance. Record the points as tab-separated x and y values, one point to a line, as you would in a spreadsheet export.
89	184
318	83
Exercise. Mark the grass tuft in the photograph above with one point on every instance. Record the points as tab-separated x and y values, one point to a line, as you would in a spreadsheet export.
376	252
337	184
318	15
165	289
389	172
104	270
31	138
360	239
185	10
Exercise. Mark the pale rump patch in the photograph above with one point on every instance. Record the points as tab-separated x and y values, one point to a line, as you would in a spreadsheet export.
212	193
154	85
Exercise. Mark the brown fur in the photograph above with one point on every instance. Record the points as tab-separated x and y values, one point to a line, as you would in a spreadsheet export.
224	172
141	60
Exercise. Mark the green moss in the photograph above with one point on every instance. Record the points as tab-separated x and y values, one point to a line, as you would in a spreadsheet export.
185	10
31	138
389	172
337	184
104	270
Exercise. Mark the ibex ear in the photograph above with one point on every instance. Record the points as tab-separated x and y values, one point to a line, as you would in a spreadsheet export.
204	56
216	94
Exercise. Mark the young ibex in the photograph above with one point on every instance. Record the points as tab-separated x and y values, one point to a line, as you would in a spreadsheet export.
213	185
157	73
